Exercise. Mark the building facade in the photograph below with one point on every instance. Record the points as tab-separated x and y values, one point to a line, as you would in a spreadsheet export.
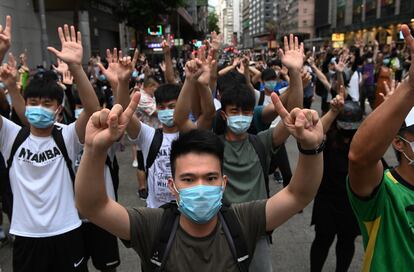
296	16
370	20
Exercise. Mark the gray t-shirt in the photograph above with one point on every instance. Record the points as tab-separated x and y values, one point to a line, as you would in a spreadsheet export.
188	253
242	166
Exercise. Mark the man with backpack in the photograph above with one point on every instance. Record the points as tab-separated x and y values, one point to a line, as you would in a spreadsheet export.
199	242
39	163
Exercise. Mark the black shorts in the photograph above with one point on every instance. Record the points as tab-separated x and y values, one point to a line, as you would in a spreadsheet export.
101	247
140	160
64	252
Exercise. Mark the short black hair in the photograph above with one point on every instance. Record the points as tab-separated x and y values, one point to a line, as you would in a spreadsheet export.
44	85
226	81
269	74
197	141
167	92
239	95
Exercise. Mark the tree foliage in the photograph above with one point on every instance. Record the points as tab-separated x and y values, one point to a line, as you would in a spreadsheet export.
141	14
212	21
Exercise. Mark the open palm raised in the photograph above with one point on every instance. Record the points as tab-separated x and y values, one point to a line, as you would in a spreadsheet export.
293	54
72	50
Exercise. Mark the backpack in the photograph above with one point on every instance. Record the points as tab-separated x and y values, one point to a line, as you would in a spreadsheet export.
154	149
22	135
169	225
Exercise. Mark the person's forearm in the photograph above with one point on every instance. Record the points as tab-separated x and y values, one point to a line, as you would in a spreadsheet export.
90	191
295	94
306	178
226	70
340	81
208	111
18	103
328	119
213	76
86	92
183	105
368	150
169	69
322	78
122	92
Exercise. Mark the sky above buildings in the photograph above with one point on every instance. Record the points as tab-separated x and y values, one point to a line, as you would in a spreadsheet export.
212	3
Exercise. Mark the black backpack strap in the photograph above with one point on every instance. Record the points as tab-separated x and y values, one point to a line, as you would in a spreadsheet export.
114	170
261	98
235	238
58	138
154	148
261	153
22	135
7	193
165	236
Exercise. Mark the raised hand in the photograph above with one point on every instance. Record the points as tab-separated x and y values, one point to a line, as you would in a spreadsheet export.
127	66
113	65
61	67
72	50
342	63
338	102
389	89
306	78
8	72
303	124
107	126
5	37
409	41
67	78
293	54
166	45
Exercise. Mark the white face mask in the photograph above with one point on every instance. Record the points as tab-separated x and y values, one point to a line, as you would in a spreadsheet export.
410	161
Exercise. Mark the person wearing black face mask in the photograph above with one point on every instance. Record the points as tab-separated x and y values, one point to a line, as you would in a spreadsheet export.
332	214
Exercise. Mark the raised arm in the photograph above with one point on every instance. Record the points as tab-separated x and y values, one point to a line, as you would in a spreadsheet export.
103	129
71	54
336	106
322	78
365	167
306	127
339	68
8	74
113	64
5	38
169	69
292	57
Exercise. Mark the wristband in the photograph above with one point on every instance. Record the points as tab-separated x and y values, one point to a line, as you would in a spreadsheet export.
316	151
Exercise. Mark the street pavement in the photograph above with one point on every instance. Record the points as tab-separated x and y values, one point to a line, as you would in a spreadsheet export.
291	242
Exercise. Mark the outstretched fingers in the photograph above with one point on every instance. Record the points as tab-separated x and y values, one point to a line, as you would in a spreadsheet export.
280	109
130	110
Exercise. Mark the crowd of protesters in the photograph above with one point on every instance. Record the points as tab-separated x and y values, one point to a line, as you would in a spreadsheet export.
208	127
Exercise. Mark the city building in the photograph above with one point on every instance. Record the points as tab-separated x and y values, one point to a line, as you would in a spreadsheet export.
297	17
261	13
370	20
246	38
229	15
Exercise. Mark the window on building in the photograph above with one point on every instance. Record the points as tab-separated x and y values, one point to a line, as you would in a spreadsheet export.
387	8
340	13
357	11
370	10
305	23
305	10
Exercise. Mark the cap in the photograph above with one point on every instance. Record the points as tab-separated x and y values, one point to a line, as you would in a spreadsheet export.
350	117
408	124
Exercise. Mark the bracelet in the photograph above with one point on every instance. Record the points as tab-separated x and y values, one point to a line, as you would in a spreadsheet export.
316	151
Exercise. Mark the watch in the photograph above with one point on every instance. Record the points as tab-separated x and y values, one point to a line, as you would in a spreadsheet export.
316	151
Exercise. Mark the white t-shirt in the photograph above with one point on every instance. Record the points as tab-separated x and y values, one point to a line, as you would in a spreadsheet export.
43	194
160	171
353	89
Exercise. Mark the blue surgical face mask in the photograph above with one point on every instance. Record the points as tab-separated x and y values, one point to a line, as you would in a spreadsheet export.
102	77
270	85
78	112
239	124
135	74
200	203
410	161
166	117
40	117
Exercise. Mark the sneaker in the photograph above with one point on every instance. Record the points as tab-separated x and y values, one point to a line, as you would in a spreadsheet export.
135	164
142	193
